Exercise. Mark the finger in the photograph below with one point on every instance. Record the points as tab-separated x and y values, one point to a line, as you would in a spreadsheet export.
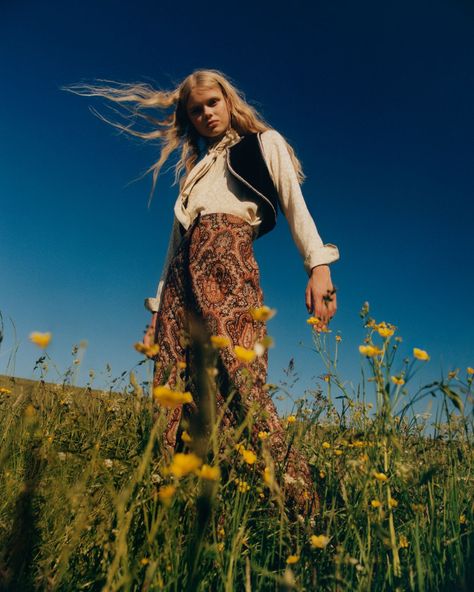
308	300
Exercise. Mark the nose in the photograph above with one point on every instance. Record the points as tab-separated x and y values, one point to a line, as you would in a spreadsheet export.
207	111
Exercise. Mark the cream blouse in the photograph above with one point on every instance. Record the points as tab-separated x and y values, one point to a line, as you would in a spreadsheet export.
211	188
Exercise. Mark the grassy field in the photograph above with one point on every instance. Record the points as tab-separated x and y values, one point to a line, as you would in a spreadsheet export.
89	502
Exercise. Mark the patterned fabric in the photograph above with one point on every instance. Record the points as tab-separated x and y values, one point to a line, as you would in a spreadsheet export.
215	278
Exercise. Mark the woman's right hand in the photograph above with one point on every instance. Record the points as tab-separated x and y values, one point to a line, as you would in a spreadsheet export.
149	337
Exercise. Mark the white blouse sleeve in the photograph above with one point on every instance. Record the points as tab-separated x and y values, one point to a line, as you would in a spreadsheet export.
152	304
302	226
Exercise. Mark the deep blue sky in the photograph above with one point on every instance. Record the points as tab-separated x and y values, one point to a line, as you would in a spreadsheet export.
376	99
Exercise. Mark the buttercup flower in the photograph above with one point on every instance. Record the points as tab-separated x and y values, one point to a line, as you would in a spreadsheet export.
244	355
220	341
249	456
267	476
292	559
209	473
392	503
319	541
420	354
380	476
375	504
4	390
185	437
40	339
397	380
403	542
313	321
169	398
148	350
263	435
385	329
242	485
183	464
470	370
262	313
370	350
262	345
291	419
166	493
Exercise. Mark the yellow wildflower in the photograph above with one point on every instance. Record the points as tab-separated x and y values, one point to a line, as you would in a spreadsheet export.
380	476
182	365
397	380
370	350
40	339
221	532
338	452
239	447
144	561
392	503
420	354
169	398
243	354
183	464
291	419
262	345
403	542
242	485
313	321
4	391
338	338
263	435
375	504
462	519
220	546
147	350
322	475
470	370
249	456
385	329
267	476
326	445
417	507
185	437
219	341
319	541
209	473
292	559
166	493
262	313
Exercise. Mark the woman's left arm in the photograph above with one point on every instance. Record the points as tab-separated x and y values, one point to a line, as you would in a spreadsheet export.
320	297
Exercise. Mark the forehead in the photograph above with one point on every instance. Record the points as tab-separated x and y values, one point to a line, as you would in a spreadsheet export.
201	94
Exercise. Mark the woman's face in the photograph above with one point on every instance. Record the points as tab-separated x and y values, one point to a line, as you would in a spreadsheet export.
208	111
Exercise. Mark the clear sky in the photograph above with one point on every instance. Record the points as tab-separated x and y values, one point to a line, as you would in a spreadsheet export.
375	97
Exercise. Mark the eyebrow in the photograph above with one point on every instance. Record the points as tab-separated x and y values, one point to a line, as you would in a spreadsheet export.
199	104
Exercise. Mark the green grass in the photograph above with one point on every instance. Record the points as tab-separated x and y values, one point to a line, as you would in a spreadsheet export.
80	507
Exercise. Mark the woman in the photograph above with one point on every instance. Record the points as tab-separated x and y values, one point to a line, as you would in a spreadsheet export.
238	172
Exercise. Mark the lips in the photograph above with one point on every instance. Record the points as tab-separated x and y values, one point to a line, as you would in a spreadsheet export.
212	123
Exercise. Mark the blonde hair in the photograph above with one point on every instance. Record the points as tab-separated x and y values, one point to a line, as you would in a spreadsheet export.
175	131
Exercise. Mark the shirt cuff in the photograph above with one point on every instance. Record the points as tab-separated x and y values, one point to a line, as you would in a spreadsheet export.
324	255
151	304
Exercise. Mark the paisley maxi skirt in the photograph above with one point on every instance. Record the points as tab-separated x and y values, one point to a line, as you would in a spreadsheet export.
214	278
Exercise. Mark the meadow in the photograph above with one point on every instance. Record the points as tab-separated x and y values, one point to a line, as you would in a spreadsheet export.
88	500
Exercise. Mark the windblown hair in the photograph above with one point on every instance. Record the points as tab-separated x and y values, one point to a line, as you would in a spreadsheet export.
175	131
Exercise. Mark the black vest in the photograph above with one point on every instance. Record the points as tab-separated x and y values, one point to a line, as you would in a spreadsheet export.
247	164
